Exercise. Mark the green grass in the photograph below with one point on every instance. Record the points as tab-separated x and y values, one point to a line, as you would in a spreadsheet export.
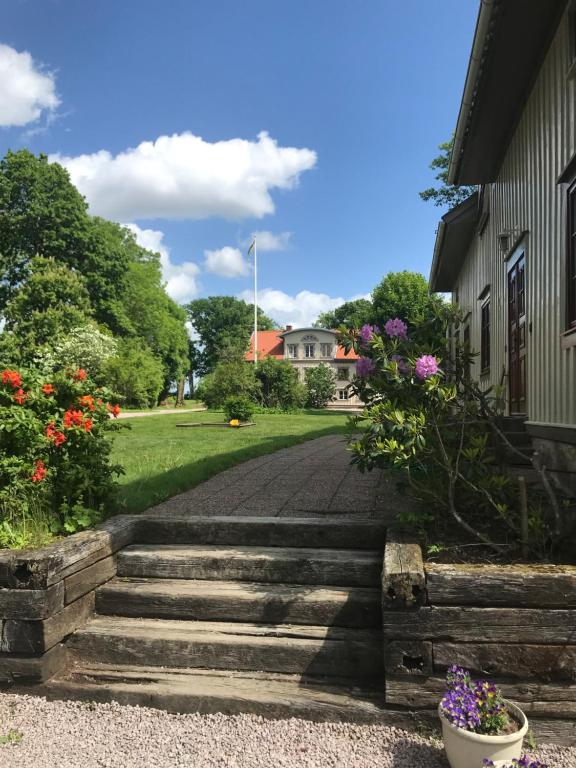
161	460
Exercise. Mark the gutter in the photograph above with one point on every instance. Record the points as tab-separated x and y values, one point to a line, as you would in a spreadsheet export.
436	257
485	15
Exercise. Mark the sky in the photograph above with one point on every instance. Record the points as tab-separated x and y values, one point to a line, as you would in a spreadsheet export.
198	124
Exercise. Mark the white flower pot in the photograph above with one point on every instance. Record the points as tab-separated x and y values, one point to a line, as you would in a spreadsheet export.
465	749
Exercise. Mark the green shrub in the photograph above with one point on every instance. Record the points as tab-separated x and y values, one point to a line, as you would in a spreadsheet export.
55	471
320	386
279	385
135	374
238	408
229	379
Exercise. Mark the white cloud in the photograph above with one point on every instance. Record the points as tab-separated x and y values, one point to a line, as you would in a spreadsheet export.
268	241
300	310
184	177
25	91
226	262
181	279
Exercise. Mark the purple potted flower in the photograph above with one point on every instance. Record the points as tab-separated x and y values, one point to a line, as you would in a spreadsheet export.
479	726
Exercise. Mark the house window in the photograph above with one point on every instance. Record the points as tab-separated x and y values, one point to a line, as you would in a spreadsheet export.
293	350
343	374
571	259
485	336
326	350
342	394
466	345
309	350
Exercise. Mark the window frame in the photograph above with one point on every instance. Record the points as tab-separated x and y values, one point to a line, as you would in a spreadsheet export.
485	336
307	346
339	370
343	394
295	348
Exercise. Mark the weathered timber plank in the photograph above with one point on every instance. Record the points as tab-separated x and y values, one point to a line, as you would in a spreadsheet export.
408	657
530	586
39	636
262	531
240	601
39	568
88	579
31	669
256	564
518	661
539	699
562	732
403	580
505	625
332	651
31	603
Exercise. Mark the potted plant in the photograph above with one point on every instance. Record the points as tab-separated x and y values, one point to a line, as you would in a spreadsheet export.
479	726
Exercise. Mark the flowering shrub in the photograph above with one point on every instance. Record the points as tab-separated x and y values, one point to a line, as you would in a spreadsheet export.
475	706
54	452
427	419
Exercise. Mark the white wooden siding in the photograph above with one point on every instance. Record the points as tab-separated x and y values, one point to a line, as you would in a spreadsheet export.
526	196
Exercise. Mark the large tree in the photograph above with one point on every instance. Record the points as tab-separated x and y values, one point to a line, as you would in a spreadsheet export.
223	324
351	314
445	194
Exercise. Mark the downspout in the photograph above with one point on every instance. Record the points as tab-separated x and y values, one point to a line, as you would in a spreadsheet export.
482	26
436	256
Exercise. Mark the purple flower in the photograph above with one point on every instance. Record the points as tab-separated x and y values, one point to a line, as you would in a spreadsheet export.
402	366
426	366
364	366
367	331
396	328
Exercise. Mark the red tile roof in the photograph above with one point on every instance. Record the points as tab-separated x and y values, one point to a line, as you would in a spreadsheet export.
271	344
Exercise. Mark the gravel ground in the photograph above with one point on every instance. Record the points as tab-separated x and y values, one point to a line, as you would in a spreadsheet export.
66	734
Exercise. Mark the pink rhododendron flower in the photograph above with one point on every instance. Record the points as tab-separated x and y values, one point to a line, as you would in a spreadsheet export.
402	366
396	328
426	366
364	366
367	331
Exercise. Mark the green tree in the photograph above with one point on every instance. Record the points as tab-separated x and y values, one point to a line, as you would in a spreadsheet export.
43	214
53	300
135	373
222	323
86	346
234	378
445	194
280	387
406	295
320	385
351	314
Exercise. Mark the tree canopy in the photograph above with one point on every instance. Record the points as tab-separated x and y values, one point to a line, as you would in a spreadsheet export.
352	314
223	325
445	194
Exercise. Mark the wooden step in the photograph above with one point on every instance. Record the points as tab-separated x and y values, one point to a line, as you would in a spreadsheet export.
210	691
290	649
240	601
263	531
328	567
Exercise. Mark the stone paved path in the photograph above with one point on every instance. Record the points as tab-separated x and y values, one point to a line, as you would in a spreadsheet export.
307	480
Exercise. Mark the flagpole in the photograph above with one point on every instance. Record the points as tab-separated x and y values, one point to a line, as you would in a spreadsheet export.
255	304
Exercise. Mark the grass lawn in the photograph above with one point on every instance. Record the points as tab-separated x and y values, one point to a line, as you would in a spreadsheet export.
161	460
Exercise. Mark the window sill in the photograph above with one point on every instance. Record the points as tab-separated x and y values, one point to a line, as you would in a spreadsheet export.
568	339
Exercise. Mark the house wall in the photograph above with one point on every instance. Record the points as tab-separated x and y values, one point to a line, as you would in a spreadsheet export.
527	198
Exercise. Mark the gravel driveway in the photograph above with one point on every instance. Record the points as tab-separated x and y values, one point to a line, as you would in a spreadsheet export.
75	735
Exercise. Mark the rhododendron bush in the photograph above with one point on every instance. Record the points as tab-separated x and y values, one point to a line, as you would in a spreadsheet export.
427	419
55	469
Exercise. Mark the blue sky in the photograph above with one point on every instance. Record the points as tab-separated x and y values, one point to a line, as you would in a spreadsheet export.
201	122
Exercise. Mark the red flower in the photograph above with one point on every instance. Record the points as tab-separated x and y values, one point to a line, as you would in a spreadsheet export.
20	396
12	378
48	389
114	410
79	375
87	401
40	472
73	419
54	435
88	425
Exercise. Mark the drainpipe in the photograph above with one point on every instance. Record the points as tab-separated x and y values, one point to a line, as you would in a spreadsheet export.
482	26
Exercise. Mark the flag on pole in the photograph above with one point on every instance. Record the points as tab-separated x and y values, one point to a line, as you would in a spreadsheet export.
252	246
252	250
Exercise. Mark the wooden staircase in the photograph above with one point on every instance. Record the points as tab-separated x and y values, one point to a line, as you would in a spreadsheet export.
275	616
